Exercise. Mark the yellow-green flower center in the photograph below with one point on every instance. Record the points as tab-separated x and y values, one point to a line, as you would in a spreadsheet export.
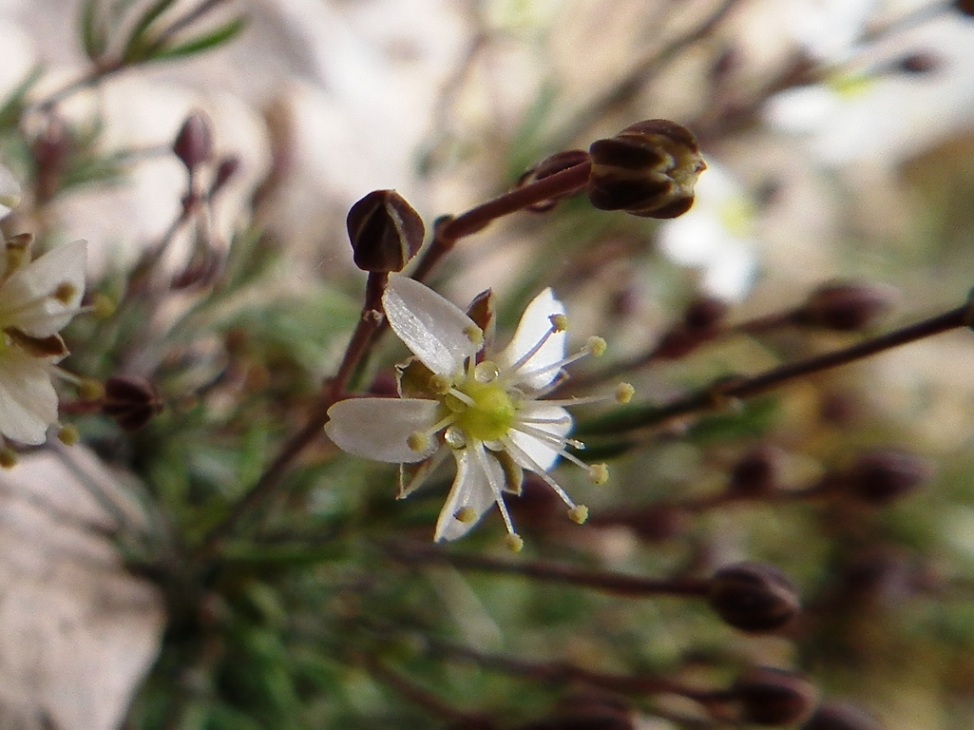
490	416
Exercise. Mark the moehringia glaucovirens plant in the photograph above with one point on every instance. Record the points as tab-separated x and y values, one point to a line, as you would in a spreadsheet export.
484	406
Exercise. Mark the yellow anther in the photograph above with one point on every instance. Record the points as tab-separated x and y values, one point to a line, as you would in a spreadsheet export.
8	458
65	292
91	389
102	306
578	514
598	474
418	442
514	543
624	393
68	435
596	346
474	334
466	515
559	322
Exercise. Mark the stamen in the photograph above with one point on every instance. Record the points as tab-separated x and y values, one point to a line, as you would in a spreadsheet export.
481	458
474	334
466	515
585	351
419	441
8	458
535	349
65	292
521	457
513	542
460	396
555	441
561	420
599	474
624	393
559	322
578	514
68	435
596	346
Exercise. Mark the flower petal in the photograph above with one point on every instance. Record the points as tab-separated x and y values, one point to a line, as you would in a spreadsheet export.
28	402
534	324
471	490
436	330
379	428
559	423
26	298
9	191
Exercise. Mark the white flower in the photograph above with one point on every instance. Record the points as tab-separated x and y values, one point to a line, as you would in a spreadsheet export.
37	299
9	191
717	235
462	397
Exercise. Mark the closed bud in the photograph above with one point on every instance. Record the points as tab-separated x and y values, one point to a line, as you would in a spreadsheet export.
648	169
385	231
705	314
965	7
846	306
132	402
758	473
226	168
918	64
753	597
558	162
885	475
841	716
774	697
194	142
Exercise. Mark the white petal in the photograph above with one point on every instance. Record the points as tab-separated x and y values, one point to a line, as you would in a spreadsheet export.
378	428
471	489
436	330
33	284
9	191
535	322
28	402
540	452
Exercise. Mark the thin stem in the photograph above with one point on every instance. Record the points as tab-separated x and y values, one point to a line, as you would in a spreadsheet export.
614	583
723	391
448	230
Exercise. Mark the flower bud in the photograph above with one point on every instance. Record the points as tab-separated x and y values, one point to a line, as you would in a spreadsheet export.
846	306
648	169
882	476
758	473
558	162
131	401
705	314
841	716
965	7
226	168
774	697
753	597
194	142
919	63
385	231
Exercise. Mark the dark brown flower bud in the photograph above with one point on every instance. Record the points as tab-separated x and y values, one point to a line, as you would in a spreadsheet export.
226	168
919	63
131	401
194	142
774	697
705	314
648	169
846	306
758	473
965	7
385	231
753	597
841	716
546	168
882	476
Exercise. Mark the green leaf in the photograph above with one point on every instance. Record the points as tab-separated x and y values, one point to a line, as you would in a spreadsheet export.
93	38
13	105
221	35
137	43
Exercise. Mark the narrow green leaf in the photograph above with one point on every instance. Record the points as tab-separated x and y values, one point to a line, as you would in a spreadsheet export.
221	35
93	38
12	106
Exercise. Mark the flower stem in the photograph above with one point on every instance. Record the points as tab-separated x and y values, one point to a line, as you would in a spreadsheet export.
719	393
614	583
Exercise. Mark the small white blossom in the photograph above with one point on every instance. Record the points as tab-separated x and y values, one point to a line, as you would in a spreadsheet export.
9	191
37	299
460	396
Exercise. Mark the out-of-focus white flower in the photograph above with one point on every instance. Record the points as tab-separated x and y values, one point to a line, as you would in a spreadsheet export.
717	235
9	191
461	396
37	299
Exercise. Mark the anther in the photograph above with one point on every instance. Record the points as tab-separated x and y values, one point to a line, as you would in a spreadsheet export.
598	474
466	515
578	514
8	458
559	322
102	306
624	393
418	442
440	384
68	435
513	542
596	346
65	292
91	389
474	334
